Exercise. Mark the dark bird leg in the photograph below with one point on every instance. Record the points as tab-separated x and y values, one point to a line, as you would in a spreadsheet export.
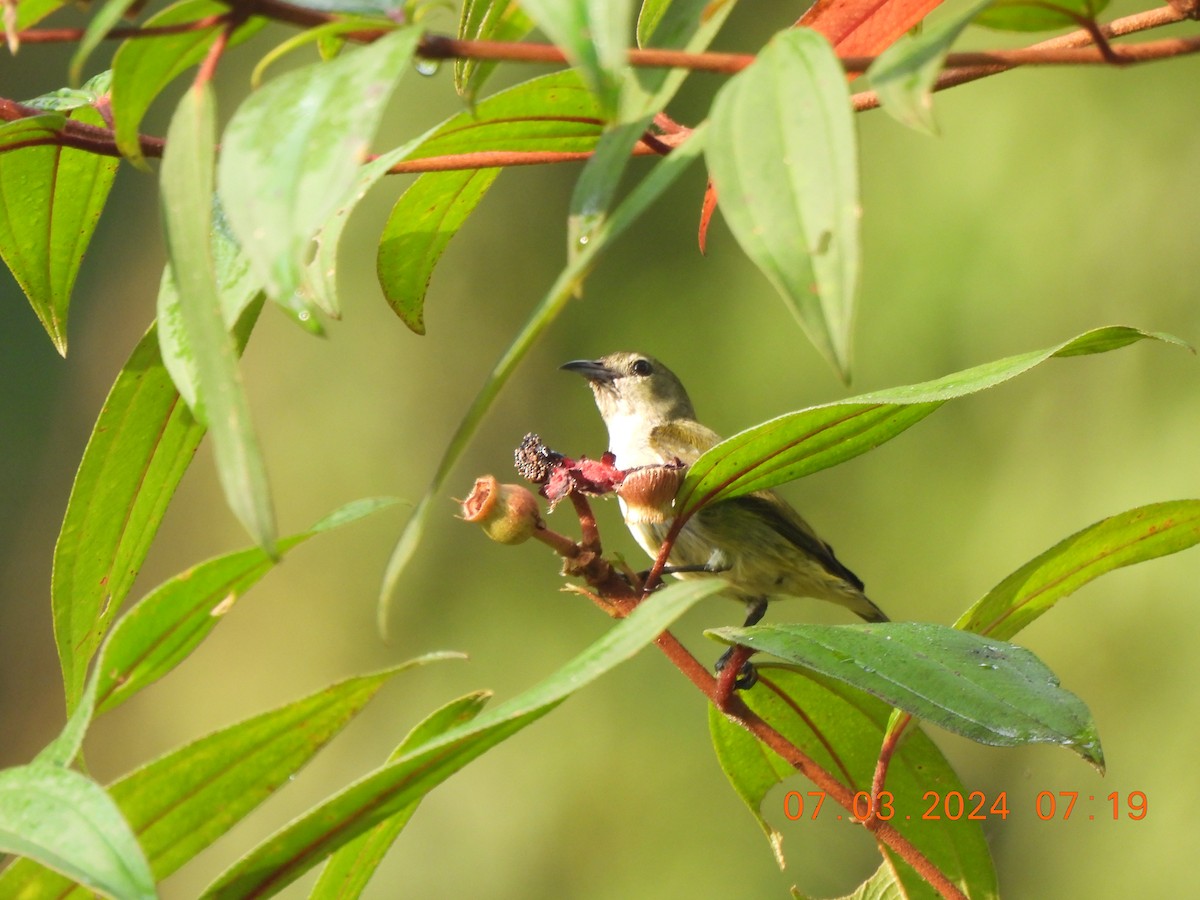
747	674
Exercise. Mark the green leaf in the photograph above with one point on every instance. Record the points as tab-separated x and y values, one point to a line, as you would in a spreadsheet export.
182	802
594	36
104	20
841	728
420	226
783	156
50	201
381	794
66	821
486	20
140	447
800	443
683	25
292	151
1030	15
31	128
187	196
142	68
662	176
237	288
329	36
554	112
984	689
30	12
67	99
166	625
904	74
1147	532
351	867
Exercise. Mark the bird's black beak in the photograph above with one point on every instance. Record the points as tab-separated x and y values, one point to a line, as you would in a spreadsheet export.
591	369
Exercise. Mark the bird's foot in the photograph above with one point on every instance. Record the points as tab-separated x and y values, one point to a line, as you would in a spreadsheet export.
747	675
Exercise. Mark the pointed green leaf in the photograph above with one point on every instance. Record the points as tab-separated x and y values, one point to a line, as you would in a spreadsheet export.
1023	15
418	229
187	196
662	176
350	868
30	12
140	447
104	20
67	99
554	112
1147	532
50	200
841	728
783	156
486	20
594	35
142	68
381	794
988	690
166	625
292	151
182	802
904	74
66	821
800	443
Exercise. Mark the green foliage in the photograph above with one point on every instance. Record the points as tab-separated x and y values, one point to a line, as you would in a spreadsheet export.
257	212
787	177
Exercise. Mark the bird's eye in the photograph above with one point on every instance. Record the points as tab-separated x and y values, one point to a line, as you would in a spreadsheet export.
641	367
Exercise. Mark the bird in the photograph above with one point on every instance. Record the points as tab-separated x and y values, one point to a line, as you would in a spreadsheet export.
757	542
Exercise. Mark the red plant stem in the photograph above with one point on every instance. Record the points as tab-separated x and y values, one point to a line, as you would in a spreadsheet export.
72	35
1143	21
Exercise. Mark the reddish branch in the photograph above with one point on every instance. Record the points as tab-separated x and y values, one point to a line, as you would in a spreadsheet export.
618	597
1076	48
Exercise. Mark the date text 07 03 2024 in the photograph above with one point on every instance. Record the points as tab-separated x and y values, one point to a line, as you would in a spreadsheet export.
975	806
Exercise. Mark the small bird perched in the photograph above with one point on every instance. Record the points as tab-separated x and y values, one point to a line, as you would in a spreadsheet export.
757	542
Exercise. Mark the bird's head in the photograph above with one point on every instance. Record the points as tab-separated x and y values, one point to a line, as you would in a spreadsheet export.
634	386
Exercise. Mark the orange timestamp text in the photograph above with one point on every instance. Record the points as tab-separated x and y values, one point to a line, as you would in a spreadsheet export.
973	806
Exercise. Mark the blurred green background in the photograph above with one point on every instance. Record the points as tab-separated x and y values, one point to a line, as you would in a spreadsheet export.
1056	200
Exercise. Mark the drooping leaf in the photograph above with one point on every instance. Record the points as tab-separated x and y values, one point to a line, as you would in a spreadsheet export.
381	794
421	224
142	68
631	208
186	177
351	867
1147	532
800	443
594	35
1022	15
30	12
985	689
291	154
784	160
50	200
182	802
64	820
486	20
904	74
329	37
237	288
840	728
